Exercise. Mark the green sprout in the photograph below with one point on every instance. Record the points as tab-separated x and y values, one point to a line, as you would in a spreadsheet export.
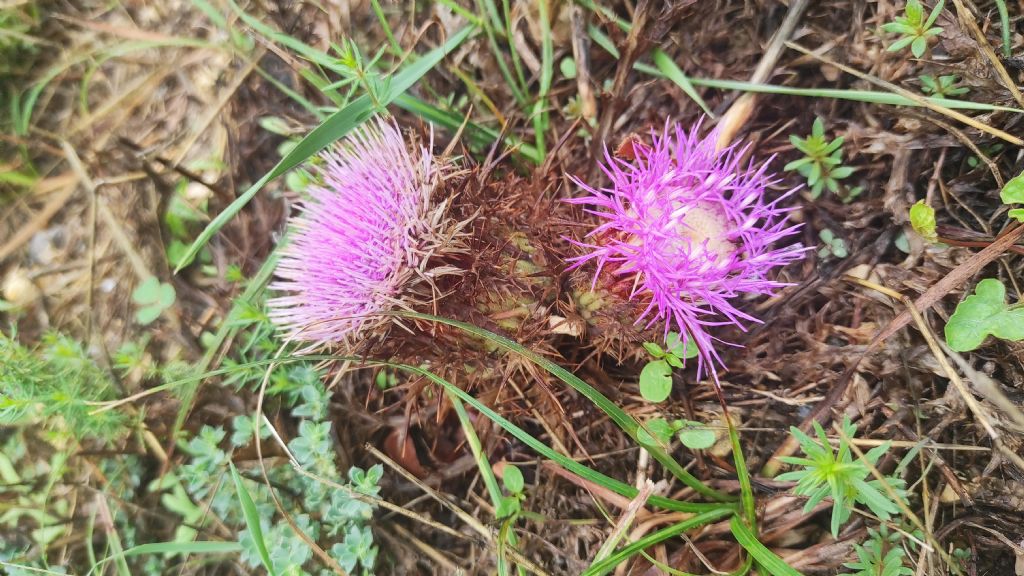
152	297
834	245
822	164
656	376
914	29
881	555
942	86
826	472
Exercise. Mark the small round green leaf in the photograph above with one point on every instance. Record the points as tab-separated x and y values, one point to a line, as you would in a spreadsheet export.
696	436
654	432
147	292
512	477
567	67
656	381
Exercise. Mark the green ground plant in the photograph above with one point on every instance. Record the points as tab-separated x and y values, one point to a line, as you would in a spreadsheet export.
822	164
827	472
882	554
914	28
656	375
946	86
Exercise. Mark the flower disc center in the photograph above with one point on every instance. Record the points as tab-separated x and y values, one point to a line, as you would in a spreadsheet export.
701	223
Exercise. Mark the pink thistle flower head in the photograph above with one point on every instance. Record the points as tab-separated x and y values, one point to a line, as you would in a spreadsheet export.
689	228
363	234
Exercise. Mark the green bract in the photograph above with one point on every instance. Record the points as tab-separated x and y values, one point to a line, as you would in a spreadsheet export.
982	314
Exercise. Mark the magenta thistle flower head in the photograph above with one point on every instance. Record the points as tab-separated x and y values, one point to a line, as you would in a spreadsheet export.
363	234
689	228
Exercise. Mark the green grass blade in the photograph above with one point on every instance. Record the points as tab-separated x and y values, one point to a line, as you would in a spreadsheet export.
477	135
1004	26
767	559
743	475
252	520
673	73
336	126
628	424
608	564
493	490
396	48
870	96
540	113
198	547
569	464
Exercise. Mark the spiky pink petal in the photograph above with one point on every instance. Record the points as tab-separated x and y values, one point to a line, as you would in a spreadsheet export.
690	228
357	239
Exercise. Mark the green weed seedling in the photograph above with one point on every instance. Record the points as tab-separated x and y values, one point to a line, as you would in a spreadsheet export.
510	506
922	218
1013	193
834	245
152	297
659	432
984	314
942	86
822	164
914	29
882	554
656	376
828	472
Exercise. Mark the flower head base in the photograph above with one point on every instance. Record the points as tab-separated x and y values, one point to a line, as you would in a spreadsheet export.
364	233
689	228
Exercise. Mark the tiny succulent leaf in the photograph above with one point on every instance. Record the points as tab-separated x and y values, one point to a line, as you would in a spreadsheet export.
922	218
983	314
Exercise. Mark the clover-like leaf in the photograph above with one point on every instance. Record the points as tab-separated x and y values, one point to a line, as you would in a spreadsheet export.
922	218
152	297
982	314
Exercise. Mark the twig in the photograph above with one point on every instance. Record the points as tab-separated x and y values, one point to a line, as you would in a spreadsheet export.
917	98
743	107
954	278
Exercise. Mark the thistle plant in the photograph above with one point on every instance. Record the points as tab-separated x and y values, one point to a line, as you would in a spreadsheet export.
362	240
686	229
